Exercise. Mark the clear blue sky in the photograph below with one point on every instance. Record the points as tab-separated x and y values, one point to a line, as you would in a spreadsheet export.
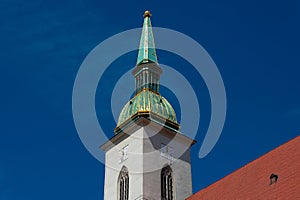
254	43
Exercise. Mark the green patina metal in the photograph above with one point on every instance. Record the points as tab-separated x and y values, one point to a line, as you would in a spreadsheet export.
147	51
148	101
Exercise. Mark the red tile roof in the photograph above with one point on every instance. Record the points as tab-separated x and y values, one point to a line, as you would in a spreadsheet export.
253	180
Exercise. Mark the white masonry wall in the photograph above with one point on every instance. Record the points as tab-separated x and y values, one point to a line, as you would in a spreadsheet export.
144	164
179	163
133	163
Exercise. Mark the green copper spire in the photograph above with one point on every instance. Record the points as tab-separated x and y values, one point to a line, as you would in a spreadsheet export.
147	101
147	47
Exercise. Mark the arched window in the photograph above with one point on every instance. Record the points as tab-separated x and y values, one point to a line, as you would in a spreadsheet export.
166	183
123	184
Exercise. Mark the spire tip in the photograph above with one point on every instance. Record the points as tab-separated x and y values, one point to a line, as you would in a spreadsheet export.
147	14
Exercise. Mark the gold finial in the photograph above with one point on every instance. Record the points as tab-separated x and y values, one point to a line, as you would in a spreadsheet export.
147	14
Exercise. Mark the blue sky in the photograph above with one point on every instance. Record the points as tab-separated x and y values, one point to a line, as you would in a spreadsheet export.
255	45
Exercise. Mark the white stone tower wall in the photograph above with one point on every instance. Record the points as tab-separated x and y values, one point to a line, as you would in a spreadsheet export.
133	163
144	164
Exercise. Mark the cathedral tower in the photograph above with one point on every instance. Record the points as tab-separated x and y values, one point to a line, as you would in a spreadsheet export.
148	158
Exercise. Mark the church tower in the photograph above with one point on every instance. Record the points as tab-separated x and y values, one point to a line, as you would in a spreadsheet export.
148	158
